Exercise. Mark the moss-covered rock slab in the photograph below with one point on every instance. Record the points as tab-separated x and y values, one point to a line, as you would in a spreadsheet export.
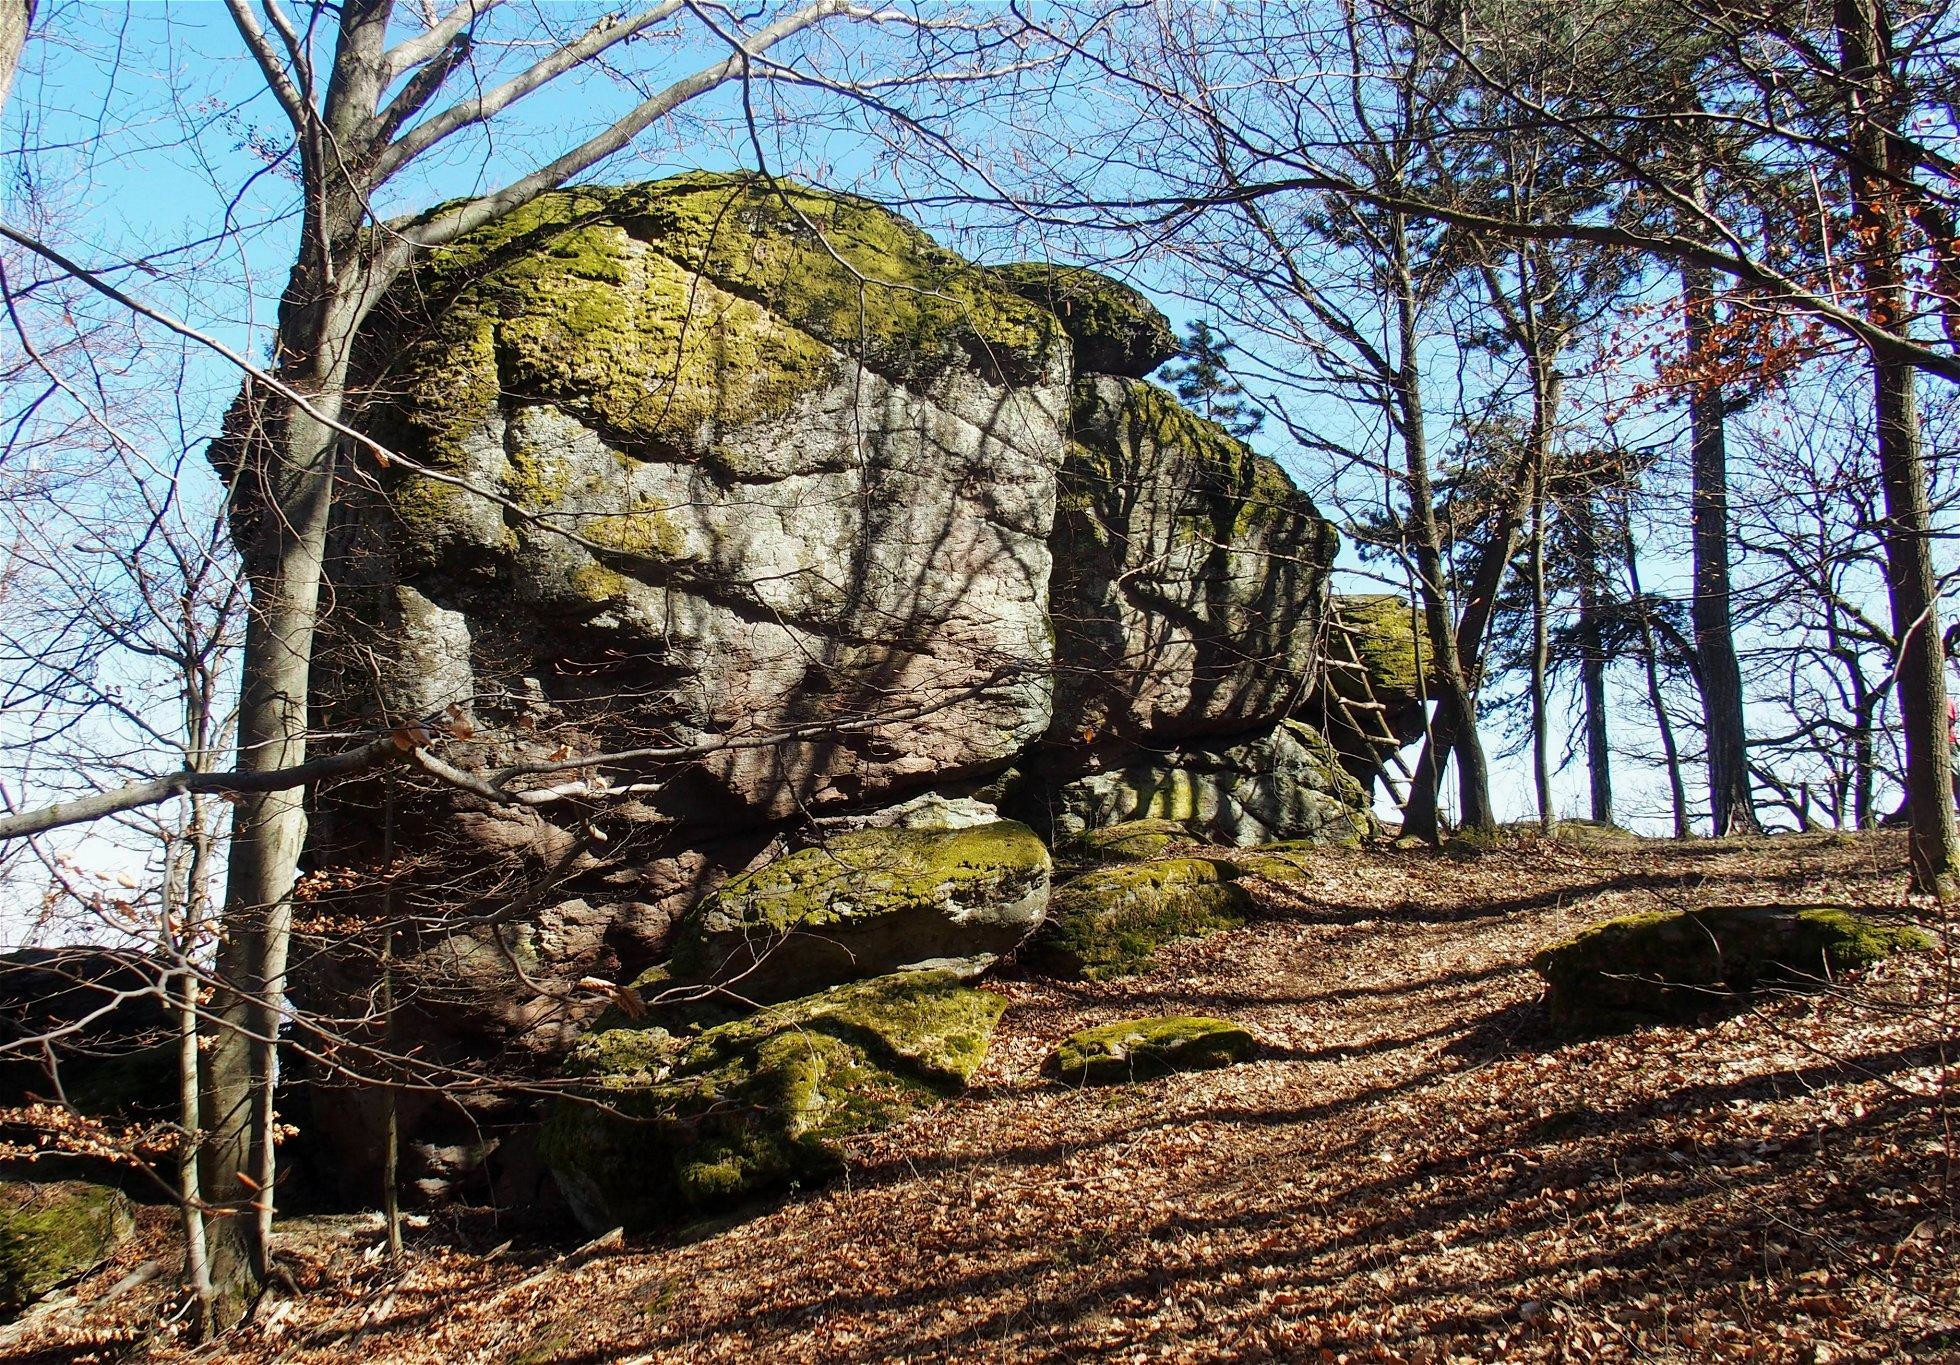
52	1232
1662	967
868	902
761	1104
1139	1049
1114	329
1110	923
1131	841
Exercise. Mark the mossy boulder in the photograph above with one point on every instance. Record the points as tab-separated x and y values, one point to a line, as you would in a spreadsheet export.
652	309
868	902
52	1232
761	1104
1110	923
1114	329
1664	966
1130	841
1139	1049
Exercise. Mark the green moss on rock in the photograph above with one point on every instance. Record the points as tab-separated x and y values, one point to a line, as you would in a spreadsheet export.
49	1232
1660	966
658	314
1138	1049
1131	841
1110	923
865	902
760	1104
1386	637
856	275
1115	329
1235	495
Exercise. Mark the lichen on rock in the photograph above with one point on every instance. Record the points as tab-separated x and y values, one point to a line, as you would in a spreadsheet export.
1659	966
869	901
1139	1049
1110	923
664	1129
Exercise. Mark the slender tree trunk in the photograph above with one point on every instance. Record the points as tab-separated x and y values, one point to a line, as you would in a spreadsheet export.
1864	39
1864	813
1731	805
1541	653
197	1255
391	1206
1670	752
1473	776
1592	660
1419	813
285	559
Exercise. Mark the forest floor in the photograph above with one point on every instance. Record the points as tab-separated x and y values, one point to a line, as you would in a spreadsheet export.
1415	1171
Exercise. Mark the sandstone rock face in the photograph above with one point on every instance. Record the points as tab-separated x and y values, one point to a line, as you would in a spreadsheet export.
730	489
837	547
1191	575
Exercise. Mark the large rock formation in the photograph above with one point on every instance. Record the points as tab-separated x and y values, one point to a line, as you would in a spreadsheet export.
802	517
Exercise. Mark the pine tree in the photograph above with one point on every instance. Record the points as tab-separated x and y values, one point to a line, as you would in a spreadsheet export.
1204	381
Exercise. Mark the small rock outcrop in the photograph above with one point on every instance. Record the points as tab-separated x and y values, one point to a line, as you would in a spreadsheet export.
1140	1049
868	902
52	1232
1110	923
1662	967
1288	783
667	1127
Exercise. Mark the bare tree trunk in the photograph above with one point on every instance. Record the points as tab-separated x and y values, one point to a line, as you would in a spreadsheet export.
1670	752
1865	43
1419	812
1731	806
1592	661
1473	776
1864	813
16	17
391	1205
1541	653
285	555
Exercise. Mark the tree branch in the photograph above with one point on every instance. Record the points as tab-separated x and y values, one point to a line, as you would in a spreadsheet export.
393	747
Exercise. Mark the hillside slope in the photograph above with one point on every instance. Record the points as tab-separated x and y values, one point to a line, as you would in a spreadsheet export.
1414	1171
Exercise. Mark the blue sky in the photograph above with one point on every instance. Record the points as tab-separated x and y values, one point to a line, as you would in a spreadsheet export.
143	133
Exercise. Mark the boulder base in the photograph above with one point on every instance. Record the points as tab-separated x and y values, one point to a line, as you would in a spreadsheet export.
667	1128
1110	923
